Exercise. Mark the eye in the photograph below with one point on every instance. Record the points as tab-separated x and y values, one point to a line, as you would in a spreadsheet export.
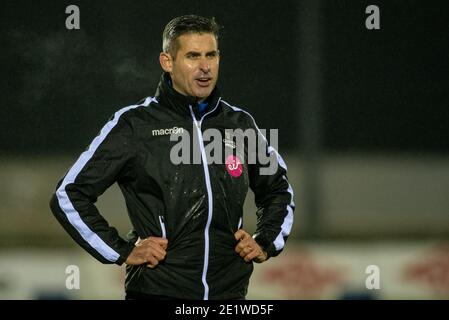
212	54
192	55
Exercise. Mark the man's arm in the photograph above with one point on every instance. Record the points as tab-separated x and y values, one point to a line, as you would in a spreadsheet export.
274	199
104	162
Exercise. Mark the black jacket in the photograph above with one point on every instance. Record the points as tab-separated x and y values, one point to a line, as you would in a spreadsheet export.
197	207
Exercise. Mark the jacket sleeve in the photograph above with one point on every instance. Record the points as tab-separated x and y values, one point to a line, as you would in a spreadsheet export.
273	196
106	160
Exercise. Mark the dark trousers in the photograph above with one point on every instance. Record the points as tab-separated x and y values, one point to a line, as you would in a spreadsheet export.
143	296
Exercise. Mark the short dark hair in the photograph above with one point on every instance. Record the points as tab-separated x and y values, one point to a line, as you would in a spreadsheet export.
184	25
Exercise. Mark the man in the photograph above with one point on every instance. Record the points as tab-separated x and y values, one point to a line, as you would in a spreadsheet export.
187	240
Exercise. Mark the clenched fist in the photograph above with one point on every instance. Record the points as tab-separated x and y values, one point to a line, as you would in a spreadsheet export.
150	251
248	248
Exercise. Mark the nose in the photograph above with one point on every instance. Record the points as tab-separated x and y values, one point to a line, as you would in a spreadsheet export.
205	65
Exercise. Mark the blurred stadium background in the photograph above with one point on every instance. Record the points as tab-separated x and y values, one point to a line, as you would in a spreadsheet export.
362	118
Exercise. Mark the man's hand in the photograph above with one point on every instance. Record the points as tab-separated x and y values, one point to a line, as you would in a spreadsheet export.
150	251
248	248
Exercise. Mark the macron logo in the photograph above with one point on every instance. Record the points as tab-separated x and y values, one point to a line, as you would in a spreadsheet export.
163	132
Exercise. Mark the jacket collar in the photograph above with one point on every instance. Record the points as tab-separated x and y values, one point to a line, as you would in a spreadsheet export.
169	97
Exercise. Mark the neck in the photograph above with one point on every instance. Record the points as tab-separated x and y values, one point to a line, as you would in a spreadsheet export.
173	85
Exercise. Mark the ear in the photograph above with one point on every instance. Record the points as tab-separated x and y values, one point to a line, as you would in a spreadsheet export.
166	62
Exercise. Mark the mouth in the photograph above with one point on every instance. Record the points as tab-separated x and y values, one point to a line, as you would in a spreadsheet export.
203	81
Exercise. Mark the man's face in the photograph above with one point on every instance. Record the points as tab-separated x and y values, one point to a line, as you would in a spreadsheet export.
194	70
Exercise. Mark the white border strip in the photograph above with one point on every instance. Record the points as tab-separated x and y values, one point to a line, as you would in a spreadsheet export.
209	197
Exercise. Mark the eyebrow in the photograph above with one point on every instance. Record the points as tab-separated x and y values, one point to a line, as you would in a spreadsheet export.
196	53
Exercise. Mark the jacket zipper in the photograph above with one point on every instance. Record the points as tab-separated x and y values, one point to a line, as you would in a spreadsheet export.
197	124
162	222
